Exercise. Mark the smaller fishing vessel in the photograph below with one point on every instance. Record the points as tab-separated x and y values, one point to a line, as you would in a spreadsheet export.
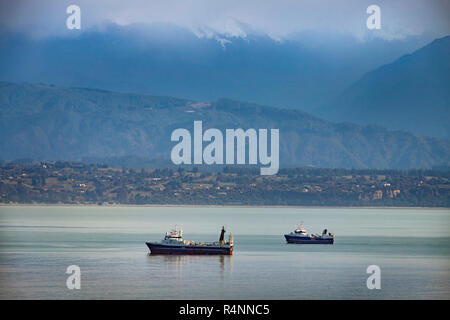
173	243
301	236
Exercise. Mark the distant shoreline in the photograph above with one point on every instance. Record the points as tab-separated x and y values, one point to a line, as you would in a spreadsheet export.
207	206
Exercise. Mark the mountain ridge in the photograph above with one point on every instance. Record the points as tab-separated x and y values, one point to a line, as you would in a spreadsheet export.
54	123
412	93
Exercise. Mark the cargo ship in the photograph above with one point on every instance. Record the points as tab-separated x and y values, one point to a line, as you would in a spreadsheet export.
301	236
173	243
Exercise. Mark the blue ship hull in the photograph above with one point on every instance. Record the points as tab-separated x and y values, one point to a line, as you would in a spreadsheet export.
307	240
156	248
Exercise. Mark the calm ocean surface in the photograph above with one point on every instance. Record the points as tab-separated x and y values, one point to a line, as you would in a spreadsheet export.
37	244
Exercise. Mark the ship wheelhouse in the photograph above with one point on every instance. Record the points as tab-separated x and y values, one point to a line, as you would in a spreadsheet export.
300	231
174	236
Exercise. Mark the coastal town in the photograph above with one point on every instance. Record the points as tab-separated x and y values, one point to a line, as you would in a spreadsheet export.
79	183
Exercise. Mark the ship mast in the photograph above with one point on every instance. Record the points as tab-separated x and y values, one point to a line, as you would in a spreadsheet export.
231	239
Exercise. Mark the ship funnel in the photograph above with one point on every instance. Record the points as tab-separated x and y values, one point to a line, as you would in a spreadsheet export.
222	235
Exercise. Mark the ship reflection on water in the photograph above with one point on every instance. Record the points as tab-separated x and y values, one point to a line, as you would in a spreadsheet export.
182	264
192	271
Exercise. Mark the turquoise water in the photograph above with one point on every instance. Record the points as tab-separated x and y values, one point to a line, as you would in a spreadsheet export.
37	244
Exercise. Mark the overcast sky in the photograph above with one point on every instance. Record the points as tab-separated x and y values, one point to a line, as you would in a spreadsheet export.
277	18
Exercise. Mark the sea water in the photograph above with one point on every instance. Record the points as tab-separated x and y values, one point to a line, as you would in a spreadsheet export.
37	243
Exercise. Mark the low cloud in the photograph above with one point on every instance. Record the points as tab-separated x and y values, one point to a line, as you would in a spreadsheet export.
277	18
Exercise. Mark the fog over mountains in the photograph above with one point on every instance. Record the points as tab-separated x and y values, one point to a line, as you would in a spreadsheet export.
303	71
49	122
